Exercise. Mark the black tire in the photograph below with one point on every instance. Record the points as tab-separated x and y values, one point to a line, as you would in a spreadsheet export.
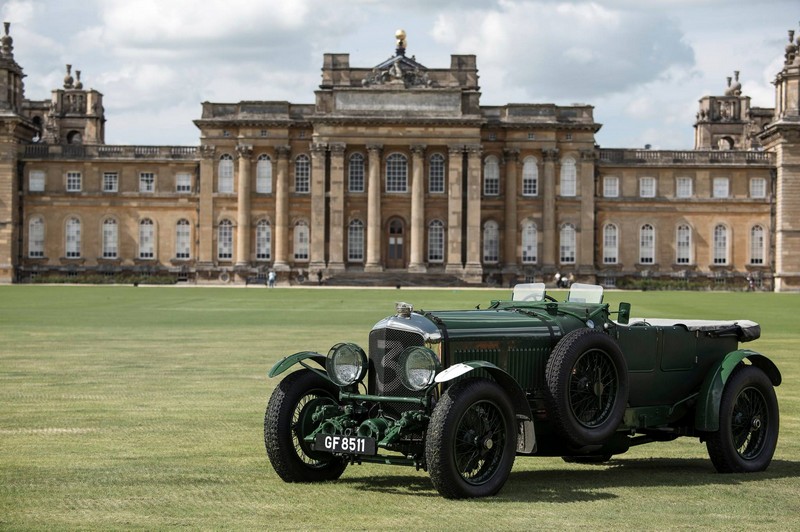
596	459
472	440
288	419
748	423
587	381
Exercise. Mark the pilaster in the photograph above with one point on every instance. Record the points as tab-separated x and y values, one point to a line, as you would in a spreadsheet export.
587	191
416	263
205	218
549	240
282	209
373	263
473	271
510	249
244	153
455	167
336	222
318	154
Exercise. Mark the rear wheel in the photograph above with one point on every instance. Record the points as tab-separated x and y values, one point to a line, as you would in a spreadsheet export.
288	421
748	423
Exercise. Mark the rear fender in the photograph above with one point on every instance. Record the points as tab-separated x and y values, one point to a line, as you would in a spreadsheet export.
287	362
710	397
527	439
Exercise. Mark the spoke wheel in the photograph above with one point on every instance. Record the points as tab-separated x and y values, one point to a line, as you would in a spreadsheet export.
288	420
471	441
748	424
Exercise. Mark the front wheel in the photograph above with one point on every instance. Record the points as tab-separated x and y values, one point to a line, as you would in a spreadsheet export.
288	421
472	440
748	423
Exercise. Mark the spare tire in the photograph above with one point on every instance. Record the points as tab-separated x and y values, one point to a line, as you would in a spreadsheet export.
587	382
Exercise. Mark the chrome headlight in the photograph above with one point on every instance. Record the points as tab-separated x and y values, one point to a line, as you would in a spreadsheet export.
419	366
346	364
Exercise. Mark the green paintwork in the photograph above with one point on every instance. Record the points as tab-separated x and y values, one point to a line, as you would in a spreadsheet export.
287	362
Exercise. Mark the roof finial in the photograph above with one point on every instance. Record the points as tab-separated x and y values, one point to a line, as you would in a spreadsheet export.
78	83
400	35
7	42
68	78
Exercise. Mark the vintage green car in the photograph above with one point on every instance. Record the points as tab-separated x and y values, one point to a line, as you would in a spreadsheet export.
461	393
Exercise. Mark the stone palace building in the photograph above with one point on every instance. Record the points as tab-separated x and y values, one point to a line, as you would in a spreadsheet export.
397	171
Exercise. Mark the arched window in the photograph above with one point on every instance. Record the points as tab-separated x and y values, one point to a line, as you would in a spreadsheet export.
491	176
530	177
436	174
610	244
183	239
301	241
36	237
757	242
302	174
147	239
396	173
569	177
647	244
568	244
436	241
720	244
491	242
355	241
264	174
225	240
73	238
355	173
683	245
225	177
110	239
263	240
530	241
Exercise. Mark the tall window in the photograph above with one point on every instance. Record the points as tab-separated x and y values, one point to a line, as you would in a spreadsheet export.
183	183
225	177
147	239
491	176
758	188
757	242
683	187
302	174
610	244
36	237
301	240
530	177
225	240
110	239
147	182
436	241
647	187
73	181
720	244
396	173
567	244
647	244
73	238
263	240
436	174
36	181
491	242
530	243
355	241
569	177
355	173
264	174
610	186
183	239
683	245
720	187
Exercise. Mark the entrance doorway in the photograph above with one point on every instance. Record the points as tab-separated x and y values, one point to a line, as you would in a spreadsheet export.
395	257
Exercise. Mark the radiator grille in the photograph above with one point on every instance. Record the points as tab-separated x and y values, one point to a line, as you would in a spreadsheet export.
385	346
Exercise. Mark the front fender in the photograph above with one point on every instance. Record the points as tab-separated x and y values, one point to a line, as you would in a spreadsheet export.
287	362
518	398
710	397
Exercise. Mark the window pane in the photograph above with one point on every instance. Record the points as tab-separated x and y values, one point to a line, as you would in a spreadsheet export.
611	187
302	174
264	175
110	239
757	245
529	243
73	238
301	241
355	173
436	174
36	237
110	181
183	239
720	244
183	183
36	181
758	187
225	240
683	187
225	177
647	187
569	177
530	178
567	244
355	241
720	187
610	244
396	173
491	176
146	239
73	181
491	242
436	241
647	244
147	182
683	245
263	240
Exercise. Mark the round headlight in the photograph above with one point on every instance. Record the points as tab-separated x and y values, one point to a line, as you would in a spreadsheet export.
346	364
419	366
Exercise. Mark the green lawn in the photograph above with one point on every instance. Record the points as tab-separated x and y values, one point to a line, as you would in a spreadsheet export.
126	407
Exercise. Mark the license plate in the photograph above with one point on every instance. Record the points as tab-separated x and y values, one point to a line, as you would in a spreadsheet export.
334	443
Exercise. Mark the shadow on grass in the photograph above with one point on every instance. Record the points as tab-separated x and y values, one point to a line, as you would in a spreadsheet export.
586	483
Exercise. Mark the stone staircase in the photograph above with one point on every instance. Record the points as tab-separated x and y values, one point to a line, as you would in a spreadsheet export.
393	278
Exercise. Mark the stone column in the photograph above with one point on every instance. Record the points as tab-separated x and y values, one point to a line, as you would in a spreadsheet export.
510	248
205	215
417	262
282	210
244	152
373	263
585	258
549	234
473	272
455	166
318	153
336	222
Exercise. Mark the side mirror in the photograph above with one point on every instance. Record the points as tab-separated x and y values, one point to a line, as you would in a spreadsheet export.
624	313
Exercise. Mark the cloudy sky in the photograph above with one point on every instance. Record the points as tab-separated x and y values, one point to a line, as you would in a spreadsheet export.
643	64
